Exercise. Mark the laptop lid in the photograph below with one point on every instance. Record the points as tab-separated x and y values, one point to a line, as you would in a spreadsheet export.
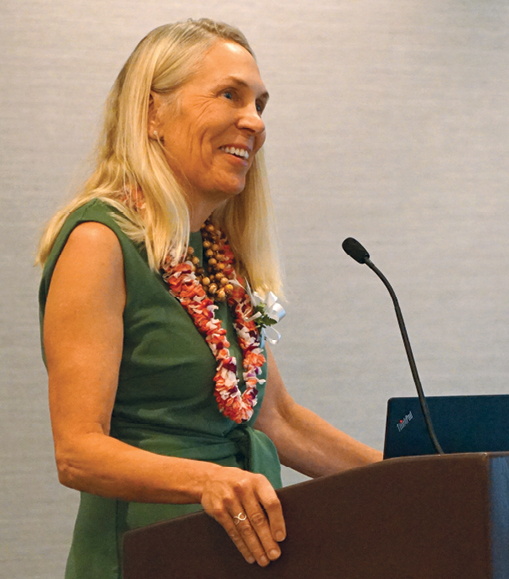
477	423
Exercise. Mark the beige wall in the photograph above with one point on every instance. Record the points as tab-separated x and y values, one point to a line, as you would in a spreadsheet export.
388	121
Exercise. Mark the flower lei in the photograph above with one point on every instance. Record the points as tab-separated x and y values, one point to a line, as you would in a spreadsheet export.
184	285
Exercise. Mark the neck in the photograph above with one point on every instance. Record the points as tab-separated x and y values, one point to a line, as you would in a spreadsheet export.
198	219
201	209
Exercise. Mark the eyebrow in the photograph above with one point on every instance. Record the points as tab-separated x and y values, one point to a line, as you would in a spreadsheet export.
264	96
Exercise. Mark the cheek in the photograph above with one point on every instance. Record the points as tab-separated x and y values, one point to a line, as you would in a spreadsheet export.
260	141
203	142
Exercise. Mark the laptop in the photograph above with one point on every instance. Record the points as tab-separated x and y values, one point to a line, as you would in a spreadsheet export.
462	424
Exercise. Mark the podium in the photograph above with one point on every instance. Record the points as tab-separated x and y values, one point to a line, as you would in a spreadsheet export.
423	517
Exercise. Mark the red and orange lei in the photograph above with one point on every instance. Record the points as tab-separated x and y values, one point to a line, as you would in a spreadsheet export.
184	285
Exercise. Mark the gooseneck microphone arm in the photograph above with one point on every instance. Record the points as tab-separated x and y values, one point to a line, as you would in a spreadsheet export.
356	251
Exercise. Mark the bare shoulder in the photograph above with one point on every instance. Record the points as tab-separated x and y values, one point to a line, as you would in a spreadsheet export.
90	263
92	235
92	244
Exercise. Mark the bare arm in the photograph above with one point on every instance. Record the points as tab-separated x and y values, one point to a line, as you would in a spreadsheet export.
306	442
83	335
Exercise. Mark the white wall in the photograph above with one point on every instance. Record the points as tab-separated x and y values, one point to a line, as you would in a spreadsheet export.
388	121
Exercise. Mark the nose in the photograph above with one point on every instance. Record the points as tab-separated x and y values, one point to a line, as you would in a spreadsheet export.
250	119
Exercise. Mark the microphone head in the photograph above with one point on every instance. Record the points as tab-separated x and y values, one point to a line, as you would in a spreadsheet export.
355	250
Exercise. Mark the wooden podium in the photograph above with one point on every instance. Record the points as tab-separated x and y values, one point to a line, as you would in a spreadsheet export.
426	517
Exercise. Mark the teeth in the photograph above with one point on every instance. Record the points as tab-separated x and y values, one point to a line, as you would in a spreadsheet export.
237	152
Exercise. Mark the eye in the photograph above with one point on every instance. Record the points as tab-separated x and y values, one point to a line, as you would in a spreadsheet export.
261	103
228	94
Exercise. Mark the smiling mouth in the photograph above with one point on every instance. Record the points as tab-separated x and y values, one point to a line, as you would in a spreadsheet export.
241	153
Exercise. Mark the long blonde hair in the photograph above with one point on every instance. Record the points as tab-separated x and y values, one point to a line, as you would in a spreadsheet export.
128	161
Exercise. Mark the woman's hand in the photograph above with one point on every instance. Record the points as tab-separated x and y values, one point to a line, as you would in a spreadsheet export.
246	505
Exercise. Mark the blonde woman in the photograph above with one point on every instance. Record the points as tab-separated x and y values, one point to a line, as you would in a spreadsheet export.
163	399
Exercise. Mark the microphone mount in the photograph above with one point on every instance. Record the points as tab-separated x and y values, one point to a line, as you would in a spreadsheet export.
356	251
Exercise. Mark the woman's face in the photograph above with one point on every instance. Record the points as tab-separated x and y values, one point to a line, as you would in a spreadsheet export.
214	127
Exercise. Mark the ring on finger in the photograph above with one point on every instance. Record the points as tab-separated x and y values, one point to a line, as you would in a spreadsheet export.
239	518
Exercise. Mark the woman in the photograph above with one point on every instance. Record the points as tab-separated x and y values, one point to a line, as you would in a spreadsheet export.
151	416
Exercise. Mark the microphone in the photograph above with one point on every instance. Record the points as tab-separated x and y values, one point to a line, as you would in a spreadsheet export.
356	251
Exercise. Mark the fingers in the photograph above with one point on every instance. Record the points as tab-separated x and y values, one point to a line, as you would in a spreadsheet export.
252	539
230	525
255	533
250	512
274	511
264	527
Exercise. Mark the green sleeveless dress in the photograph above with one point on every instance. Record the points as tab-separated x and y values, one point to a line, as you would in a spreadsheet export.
164	402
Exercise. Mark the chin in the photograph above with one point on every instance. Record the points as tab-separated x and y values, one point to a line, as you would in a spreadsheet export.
232	190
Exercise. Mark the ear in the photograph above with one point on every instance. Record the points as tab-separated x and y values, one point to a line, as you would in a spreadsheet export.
154	117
